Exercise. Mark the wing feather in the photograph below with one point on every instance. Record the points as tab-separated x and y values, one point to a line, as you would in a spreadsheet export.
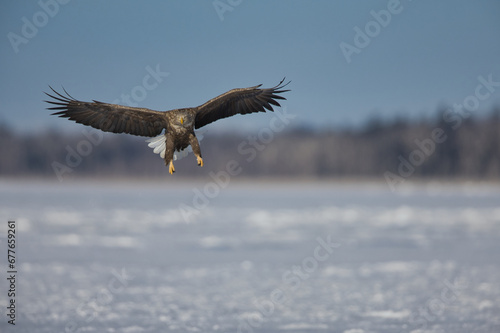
108	117
239	101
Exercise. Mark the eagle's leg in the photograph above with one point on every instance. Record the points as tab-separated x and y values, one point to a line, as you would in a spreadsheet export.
169	155
171	168
193	141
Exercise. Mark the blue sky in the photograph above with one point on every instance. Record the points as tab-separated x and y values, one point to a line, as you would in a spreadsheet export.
428	54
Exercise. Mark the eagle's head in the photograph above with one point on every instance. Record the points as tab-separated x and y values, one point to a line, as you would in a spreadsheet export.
184	120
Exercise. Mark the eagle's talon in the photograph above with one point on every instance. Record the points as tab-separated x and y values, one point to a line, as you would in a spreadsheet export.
171	168
199	160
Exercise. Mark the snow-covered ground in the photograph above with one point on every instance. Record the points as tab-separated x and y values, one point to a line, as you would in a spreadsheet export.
252	257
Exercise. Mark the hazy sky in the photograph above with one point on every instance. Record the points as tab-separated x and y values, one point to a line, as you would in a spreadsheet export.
348	60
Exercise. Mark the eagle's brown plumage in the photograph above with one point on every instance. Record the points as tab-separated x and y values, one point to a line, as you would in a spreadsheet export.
179	123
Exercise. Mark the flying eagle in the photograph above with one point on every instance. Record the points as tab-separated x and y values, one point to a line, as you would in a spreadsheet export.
179	124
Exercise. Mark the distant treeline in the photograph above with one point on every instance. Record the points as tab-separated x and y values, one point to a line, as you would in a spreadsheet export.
452	145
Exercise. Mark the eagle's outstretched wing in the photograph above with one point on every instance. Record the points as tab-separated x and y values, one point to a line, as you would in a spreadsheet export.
239	101
109	117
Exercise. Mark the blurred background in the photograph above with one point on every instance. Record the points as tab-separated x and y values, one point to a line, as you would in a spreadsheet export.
368	79
369	202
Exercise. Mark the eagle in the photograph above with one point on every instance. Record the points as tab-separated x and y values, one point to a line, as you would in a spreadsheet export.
179	124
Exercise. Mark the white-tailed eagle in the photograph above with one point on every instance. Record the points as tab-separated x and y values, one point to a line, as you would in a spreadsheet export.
179	124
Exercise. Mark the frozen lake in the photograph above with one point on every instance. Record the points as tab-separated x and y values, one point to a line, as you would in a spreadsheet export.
252	257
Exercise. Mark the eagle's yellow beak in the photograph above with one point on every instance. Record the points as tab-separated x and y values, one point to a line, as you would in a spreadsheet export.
182	120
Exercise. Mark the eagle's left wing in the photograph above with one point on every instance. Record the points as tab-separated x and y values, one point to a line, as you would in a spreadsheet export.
239	101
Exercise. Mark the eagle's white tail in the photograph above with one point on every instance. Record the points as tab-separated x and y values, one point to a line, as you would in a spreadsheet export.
158	145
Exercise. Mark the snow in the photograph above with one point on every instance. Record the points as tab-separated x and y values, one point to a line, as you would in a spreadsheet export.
260	257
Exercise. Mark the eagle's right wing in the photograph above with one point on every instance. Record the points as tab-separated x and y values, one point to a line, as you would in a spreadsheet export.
109	117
